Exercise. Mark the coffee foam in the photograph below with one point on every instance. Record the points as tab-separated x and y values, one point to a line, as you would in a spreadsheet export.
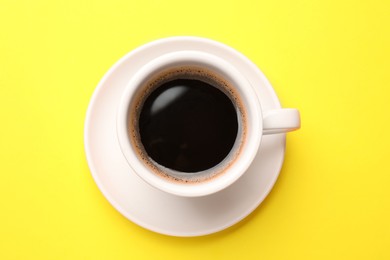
187	72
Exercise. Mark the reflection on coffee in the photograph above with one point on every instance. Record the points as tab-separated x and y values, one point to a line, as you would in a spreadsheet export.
188	124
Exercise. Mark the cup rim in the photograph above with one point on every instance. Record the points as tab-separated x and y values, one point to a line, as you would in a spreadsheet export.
245	157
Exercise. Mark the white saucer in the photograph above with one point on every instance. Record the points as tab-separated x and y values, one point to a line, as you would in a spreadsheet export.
152	208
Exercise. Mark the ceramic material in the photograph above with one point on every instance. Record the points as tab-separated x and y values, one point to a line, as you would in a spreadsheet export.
157	210
277	121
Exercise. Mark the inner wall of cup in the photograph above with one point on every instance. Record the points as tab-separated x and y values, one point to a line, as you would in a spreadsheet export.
188	71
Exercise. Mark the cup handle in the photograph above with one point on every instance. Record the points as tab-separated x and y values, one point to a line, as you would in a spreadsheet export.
281	121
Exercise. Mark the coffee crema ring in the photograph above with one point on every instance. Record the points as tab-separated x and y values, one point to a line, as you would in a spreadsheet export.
185	74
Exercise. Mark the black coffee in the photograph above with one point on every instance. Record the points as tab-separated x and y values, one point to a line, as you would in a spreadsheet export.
188	125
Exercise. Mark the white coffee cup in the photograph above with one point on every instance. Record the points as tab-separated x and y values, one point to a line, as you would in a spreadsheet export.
258	122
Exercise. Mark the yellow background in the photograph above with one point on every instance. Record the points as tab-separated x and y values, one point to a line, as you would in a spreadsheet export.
330	59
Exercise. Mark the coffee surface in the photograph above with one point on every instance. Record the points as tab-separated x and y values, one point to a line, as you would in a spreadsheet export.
188	125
